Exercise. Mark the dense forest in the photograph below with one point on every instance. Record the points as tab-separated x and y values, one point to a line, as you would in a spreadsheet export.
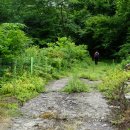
102	25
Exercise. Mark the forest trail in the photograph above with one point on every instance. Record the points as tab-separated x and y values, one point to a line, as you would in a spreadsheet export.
55	110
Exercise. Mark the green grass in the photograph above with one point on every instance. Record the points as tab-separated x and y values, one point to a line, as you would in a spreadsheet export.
92	71
75	85
88	70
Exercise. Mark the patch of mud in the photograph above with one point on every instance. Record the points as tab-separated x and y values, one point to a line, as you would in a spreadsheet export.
61	111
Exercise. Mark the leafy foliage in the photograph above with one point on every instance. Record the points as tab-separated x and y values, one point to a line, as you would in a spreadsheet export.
58	56
125	62
23	88
48	62
12	40
113	82
98	24
125	48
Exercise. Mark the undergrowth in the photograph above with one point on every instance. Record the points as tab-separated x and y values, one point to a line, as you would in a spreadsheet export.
24	87
75	85
113	82
49	63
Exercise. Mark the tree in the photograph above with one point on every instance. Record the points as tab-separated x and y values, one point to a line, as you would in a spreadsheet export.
100	24
13	40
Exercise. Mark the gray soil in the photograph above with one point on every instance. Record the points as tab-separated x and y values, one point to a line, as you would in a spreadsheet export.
54	110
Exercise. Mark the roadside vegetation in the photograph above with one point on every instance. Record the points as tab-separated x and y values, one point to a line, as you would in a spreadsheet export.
22	78
113	83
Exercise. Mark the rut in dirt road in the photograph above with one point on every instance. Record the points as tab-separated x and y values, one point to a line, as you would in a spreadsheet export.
55	110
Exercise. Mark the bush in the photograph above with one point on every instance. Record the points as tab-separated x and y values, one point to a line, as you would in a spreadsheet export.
58	56
23	88
113	82
75	85
125	62
13	40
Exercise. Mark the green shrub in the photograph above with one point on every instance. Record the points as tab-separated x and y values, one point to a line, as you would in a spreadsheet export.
23	88
58	56
75	85
13	40
112	82
125	62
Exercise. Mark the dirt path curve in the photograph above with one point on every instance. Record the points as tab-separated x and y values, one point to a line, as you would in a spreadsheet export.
55	110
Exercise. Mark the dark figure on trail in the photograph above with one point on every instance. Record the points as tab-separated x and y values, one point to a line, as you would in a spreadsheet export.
96	57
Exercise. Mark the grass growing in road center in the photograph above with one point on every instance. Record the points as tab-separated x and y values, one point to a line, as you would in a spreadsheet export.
75	85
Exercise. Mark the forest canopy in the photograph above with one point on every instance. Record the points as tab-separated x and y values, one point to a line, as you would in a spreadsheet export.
102	25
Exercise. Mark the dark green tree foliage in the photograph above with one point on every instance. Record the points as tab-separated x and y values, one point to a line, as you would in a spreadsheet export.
125	48
41	20
5	11
123	11
100	24
95	26
45	19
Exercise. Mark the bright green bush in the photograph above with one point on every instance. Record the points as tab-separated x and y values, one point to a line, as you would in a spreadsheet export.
58	56
71	51
112	82
13	40
75	85
40	64
23	88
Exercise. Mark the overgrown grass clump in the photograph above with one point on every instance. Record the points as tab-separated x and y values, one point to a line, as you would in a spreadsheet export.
75	85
